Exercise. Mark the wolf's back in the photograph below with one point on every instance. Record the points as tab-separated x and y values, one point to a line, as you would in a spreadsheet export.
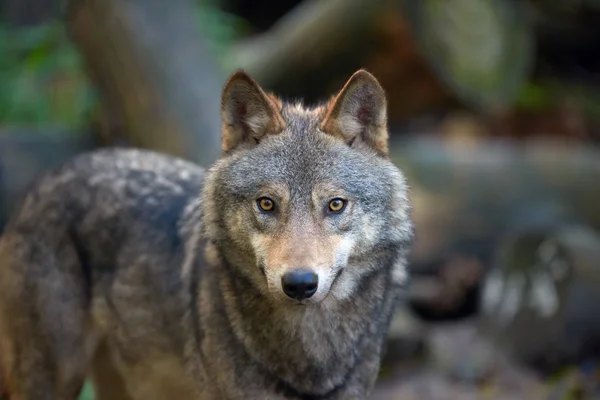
112	206
131	185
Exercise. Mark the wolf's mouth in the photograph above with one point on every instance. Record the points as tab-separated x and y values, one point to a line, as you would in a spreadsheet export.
337	275
262	268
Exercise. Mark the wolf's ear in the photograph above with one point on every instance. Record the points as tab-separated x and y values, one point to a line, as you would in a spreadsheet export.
248	113
359	113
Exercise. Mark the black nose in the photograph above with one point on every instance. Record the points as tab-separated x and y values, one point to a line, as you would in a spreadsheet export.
300	284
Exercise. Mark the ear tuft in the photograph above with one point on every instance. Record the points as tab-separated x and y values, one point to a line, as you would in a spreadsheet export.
359	113
248	113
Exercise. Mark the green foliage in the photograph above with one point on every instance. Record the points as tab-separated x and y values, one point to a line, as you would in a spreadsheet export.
535	96
222	29
543	95
42	81
87	393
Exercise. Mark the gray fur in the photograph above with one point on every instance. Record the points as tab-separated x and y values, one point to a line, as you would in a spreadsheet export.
140	270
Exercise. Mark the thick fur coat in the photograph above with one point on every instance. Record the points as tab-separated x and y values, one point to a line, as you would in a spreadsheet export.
272	275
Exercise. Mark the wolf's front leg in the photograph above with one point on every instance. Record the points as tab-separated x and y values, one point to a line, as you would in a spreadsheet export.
361	383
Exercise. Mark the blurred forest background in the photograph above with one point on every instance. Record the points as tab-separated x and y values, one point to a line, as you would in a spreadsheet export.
494	116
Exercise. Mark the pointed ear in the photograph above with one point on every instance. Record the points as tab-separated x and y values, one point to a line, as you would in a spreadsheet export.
359	113
248	113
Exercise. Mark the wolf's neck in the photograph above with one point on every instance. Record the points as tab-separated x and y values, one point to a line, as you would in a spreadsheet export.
308	347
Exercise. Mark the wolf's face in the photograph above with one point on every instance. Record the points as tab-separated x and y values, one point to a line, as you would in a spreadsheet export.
305	199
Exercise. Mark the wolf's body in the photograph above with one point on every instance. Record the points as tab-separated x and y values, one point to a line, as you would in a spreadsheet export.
162	281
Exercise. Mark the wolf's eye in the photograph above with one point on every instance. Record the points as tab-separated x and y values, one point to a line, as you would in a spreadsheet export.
337	205
265	204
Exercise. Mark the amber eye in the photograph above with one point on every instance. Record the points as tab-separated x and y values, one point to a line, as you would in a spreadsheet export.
266	204
336	205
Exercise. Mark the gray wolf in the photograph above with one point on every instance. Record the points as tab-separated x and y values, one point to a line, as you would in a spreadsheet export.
271	275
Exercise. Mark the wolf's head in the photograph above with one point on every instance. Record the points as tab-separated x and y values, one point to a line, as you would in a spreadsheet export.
304	202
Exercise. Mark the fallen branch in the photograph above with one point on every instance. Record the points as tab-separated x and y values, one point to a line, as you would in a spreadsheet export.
312	32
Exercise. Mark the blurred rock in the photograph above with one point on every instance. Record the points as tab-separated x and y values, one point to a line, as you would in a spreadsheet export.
465	364
542	300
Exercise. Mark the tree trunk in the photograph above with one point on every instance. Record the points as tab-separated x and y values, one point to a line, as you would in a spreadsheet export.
153	71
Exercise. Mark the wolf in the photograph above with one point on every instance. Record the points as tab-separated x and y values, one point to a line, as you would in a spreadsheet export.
271	275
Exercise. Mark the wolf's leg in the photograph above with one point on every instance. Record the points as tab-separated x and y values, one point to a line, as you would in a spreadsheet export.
108	381
44	300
